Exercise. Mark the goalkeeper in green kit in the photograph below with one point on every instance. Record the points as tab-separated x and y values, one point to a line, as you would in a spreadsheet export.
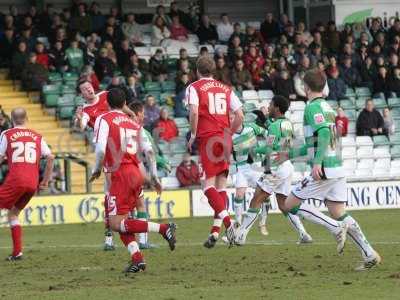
327	181
277	178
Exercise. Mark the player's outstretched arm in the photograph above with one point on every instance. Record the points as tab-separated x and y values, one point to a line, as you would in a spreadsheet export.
47	172
193	120
129	112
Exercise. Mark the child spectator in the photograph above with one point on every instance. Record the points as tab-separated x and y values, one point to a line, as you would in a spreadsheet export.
165	128
188	173
342	122
41	56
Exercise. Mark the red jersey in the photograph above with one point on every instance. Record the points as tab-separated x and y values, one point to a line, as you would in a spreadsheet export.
93	110
214	100
23	148
119	137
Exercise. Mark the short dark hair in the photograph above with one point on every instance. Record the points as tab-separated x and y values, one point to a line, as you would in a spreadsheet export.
136	106
281	102
205	65
116	98
315	80
83	79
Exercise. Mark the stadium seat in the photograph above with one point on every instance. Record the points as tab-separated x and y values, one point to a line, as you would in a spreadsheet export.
249	106
143	52
51	92
367	163
69	76
55	77
395	167
297	106
152	86
351	114
396	113
394	102
381	153
347	104
221	48
265	95
178	148
349	152
250	95
350	164
181	122
250	118
381	140
350	92
297	117
255	24
352	128
363	92
170	182
300	166
364	141
298	129
168	86
171	64
66	107
380	103
333	103
382	163
395	151
365	152
79	101
348	141
395	139
68	90
360	104
154	49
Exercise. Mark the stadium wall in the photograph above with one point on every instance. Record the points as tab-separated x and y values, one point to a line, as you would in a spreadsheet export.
88	208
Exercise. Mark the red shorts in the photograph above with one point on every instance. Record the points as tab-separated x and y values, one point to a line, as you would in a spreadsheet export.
125	188
13	193
214	153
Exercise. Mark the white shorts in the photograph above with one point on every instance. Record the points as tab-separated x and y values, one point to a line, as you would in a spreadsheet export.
279	182
333	189
246	177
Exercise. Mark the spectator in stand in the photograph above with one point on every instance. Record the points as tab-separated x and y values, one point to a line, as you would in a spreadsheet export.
224	29
304	35
370	121
165	128
158	66
57	60
74	57
241	78
368	73
269	29
207	33
381	84
41	56
267	77
237	31
19	61
98	19
284	86
183	55
7	47
151	113
137	67
394	83
34	75
135	89
388	123
124	53
350	74
175	11
132	31
271	57
5	122
235	44
342	122
104	67
179	107
188	172
184	68
90	53
81	22
91	77
332	38
255	73
393	63
178	31
252	37
222	72
337	87
253	56
299	77
160	35
160	13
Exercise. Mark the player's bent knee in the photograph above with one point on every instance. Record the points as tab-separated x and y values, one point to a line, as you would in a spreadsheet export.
115	222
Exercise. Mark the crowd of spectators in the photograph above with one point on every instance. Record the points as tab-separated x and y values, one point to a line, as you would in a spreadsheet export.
275	56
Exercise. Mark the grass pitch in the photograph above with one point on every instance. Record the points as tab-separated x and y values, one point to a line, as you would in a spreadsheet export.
67	262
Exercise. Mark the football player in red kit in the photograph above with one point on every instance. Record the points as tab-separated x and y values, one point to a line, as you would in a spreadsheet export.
118	141
22	148
210	103
96	105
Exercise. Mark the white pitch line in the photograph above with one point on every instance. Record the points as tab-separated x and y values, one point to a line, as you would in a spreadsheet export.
196	244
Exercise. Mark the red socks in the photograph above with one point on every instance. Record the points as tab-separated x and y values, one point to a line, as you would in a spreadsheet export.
217	201
16	234
129	241
106	219
137	226
126	238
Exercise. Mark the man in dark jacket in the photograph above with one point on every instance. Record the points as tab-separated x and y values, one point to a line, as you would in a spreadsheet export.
337	87
394	82
350	74
370	121
35	75
269	29
207	32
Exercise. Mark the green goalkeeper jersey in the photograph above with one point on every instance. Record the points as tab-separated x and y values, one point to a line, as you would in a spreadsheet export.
245	142
321	138
278	137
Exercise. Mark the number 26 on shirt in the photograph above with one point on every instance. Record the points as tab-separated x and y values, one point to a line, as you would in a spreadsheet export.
217	103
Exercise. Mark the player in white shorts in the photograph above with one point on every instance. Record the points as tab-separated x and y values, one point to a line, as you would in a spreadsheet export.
276	178
327	181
